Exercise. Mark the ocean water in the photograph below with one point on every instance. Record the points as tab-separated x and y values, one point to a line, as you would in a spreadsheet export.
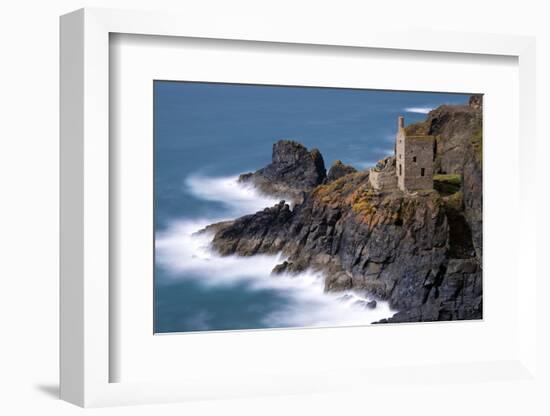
205	136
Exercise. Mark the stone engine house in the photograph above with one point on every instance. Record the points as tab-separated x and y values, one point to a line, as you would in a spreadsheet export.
414	158
412	169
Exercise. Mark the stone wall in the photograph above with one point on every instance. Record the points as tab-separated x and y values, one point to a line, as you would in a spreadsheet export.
399	157
382	177
418	163
414	161
383	181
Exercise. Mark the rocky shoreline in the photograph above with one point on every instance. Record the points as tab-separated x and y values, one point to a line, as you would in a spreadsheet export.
420	251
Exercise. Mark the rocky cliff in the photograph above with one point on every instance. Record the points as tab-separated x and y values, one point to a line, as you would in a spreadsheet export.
293	171
339	169
453	127
458	150
419	251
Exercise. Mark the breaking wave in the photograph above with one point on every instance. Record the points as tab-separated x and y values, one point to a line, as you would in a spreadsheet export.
185	254
238	198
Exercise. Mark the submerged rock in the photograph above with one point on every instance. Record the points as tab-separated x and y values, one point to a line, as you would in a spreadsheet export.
367	304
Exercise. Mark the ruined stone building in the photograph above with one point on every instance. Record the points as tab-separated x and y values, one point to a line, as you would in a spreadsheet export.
414	157
411	169
382	176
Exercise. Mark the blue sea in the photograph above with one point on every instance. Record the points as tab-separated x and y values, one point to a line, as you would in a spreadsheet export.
205	135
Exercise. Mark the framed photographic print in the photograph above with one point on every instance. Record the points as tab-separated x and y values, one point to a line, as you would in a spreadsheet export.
390	231
279	212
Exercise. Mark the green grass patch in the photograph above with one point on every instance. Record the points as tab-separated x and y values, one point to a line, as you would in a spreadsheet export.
447	184
454	202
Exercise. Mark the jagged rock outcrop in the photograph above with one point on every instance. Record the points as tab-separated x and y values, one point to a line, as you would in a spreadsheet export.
459	142
293	170
395	246
476	102
472	189
420	251
339	169
453	127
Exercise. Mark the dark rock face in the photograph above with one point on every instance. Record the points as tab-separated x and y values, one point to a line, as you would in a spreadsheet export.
214	228
338	169
459	143
421	251
293	170
453	127
394	246
476	102
472	189
261	229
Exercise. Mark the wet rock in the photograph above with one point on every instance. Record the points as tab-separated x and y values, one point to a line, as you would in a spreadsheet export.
338	281
366	304
280	268
214	228
289	267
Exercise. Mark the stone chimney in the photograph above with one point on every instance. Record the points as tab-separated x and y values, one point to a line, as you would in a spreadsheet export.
400	123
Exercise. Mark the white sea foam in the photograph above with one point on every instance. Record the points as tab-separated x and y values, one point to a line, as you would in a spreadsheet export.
184	254
419	110
238	198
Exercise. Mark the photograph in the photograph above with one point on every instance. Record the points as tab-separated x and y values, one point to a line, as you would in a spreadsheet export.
275	208
300	207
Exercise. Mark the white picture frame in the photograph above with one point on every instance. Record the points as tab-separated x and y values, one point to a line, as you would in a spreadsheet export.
85	207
